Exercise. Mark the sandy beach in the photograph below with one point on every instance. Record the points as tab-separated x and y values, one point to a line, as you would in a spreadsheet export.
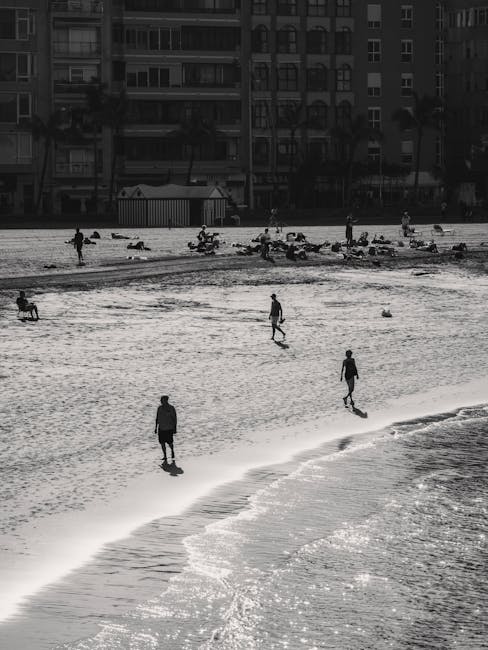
284	497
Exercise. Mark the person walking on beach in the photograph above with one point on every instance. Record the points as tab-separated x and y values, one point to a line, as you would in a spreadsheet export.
276	316
24	305
350	371
406	224
78	244
349	222
166	426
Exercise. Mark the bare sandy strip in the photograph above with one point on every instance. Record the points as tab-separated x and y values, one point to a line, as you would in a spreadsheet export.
475	259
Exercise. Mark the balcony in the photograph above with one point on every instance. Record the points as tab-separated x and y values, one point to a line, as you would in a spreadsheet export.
76	49
80	7
71	87
85	169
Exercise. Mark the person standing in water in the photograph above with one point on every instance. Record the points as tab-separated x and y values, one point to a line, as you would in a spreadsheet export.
350	371
78	244
166	421
276	316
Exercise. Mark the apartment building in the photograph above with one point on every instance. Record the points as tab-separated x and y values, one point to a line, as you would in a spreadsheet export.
271	80
325	62
179	61
399	48
466	91
22	74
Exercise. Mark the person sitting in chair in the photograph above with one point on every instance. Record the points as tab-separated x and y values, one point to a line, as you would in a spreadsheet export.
25	306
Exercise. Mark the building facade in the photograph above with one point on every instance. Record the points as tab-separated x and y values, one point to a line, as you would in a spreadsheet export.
273	100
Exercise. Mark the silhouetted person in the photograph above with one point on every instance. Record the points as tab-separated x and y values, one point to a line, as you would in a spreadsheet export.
166	426
349	222
78	244
276	316
350	371
24	305
265	240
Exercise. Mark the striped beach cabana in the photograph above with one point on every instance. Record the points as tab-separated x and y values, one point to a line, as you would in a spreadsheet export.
175	205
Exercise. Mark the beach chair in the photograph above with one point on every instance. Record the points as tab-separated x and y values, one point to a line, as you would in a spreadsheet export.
437	229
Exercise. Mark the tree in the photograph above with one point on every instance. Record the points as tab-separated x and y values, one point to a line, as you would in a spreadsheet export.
293	119
50	132
93	118
192	133
426	113
349	136
115	108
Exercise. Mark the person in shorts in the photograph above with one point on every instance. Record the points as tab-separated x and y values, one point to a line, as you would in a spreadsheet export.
166	421
78	244
276	316
350	371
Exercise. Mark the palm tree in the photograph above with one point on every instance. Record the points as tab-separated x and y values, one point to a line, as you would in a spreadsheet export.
94	116
426	113
115	116
293	119
51	132
192	133
349	136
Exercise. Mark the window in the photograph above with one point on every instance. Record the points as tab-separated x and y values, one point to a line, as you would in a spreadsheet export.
406	16
24	147
374	16
15	107
260	39
260	7
374	50
287	7
317	78
317	115
343	114
406	84
439	51
317	7
374	117
407	152
17	24
287	77
343	41
406	51
260	79
439	84
374	84
343	8
374	151
343	78
287	150
317	41
260	151
260	116
8	66
287	40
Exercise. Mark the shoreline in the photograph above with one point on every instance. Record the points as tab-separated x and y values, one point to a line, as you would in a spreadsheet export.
89	533
125	271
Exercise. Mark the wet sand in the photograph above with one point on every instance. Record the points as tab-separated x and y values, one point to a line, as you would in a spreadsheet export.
126	271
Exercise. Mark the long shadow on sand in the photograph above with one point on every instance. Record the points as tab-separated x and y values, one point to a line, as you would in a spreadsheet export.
361	414
172	468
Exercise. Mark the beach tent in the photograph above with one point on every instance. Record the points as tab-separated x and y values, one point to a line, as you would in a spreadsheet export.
175	205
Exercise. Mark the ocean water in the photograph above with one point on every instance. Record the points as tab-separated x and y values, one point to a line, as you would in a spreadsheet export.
294	523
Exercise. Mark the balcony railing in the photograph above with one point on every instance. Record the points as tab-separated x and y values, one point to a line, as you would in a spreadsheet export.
77	7
74	169
71	86
76	49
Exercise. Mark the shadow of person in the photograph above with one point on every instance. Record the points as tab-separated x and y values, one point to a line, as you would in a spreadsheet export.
361	414
344	443
172	468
